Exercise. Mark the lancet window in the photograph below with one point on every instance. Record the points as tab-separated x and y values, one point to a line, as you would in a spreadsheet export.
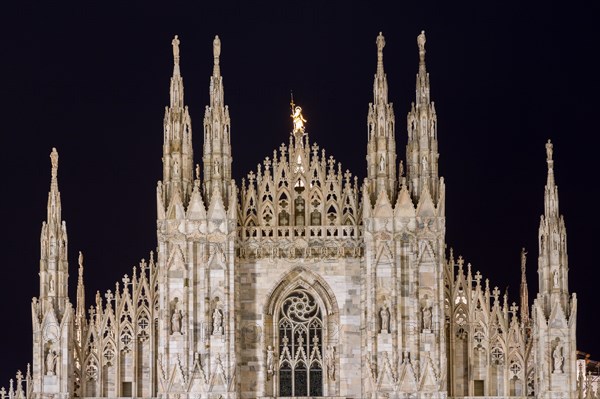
300	346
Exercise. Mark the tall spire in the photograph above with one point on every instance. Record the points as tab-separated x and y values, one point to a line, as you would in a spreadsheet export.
553	262
178	157
53	239
381	146
524	292
422	148
217	144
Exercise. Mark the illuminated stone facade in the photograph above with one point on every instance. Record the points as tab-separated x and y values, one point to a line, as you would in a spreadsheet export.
302	281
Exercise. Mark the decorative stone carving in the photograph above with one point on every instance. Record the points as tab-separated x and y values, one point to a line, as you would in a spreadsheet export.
176	322
270	356
427	318
51	358
330	362
385	319
217	322
558	357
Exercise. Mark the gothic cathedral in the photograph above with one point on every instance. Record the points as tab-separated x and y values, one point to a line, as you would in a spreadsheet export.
301	281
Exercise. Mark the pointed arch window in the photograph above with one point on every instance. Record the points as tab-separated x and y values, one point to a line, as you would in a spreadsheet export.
300	346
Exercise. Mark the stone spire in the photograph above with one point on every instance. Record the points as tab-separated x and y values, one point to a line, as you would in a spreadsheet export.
80	319
217	144
177	147
422	147
554	309
54	269
381	146
553	261
524	292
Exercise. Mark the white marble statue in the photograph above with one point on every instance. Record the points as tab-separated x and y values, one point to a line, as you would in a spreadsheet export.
385	319
217	322
51	362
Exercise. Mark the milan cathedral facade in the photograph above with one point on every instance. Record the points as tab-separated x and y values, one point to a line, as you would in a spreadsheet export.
301	281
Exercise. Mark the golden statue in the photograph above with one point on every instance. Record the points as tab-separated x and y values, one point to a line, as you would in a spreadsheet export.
297	118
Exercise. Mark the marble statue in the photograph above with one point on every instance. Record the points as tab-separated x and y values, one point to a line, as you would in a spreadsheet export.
330	362
175	43
216	47
270	358
51	362
176	322
558	357
421	41
427	318
385	319
217	322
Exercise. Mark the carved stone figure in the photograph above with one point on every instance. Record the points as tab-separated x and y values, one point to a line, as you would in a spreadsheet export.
176	322
424	165
51	362
421	41
175	43
555	279
385	319
217	322
270	356
558	357
382	163
51	285
217	47
330	362
549	150
427	318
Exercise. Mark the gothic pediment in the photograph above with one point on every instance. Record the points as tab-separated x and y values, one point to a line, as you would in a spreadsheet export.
425	207
196	209
404	205
383	208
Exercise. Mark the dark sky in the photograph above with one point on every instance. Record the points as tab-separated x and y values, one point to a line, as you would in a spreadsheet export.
93	82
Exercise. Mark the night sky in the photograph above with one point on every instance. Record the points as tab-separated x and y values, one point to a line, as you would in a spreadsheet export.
93	82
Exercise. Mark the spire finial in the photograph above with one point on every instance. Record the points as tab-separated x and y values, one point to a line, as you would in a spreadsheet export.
380	45
523	261
216	54
175	43
421	43
80	260
54	162
549	150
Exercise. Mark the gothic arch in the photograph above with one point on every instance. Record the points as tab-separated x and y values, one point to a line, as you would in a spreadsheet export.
300	279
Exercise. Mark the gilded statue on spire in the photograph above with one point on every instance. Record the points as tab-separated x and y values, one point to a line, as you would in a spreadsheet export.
175	44
297	119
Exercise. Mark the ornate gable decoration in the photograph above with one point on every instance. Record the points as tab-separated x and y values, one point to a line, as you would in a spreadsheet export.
299	193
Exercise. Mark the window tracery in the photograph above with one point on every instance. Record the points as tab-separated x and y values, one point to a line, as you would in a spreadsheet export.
300	346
